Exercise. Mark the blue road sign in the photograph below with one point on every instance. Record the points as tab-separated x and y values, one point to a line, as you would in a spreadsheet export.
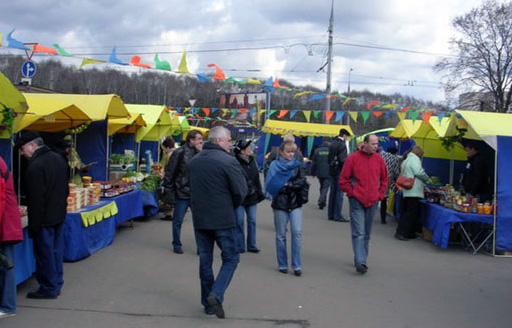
28	69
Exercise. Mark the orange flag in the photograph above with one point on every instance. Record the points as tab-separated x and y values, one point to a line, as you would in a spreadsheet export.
219	74
377	114
328	115
206	111
135	61
372	103
282	113
426	117
38	48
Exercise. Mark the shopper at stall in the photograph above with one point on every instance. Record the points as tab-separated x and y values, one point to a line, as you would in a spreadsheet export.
243	153
320	170
365	179
217	186
165	205
286	183
176	183
10	233
393	165
476	175
338	152
47	192
411	168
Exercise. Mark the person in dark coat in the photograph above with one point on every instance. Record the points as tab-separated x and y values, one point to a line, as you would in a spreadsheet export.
217	187
243	153
338	152
47	192
320	169
286	182
176	184
476	175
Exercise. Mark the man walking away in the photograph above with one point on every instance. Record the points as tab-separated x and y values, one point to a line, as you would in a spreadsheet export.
338	152
320	169
217	187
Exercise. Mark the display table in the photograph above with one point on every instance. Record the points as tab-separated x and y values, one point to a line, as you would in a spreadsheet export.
81	241
150	203
24	261
439	219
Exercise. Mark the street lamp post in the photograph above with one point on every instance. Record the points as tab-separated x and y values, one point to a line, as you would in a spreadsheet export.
348	89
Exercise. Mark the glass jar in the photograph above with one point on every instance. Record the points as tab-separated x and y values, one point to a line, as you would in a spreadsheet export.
480	208
487	208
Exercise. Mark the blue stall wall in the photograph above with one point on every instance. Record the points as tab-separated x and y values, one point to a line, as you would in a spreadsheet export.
149	145
122	141
275	141
6	150
504	195
91	145
441	169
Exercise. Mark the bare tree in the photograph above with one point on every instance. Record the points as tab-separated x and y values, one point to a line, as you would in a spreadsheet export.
482	54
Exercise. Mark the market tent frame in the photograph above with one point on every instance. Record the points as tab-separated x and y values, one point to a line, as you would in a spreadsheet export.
50	115
495	129
126	125
158	122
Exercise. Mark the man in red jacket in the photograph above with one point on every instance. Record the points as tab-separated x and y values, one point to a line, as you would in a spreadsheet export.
364	179
10	233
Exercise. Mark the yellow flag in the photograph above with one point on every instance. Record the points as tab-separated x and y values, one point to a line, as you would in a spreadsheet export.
307	114
87	61
182	68
353	115
0	39
253	81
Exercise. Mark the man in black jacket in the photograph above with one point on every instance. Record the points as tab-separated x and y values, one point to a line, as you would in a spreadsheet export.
338	152
177	183
320	169
217	187
476	175
47	192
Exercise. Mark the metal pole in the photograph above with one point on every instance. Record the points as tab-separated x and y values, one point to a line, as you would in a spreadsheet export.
329	61
348	89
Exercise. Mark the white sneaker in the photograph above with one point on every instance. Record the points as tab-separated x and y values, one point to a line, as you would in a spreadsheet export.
6	314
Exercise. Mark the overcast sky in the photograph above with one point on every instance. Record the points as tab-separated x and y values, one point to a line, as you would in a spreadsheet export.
286	39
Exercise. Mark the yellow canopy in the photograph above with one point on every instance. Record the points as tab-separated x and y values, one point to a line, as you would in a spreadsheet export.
204	131
405	129
158	122
485	125
11	98
97	107
303	129
126	125
50	115
179	125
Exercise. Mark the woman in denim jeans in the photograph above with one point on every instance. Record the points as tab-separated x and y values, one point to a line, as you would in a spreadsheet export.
285	182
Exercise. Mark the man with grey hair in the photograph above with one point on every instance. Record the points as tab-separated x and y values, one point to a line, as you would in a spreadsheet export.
46	174
217	186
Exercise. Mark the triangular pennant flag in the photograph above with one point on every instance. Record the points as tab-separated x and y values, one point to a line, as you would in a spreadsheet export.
372	103
206	111
277	85
13	43
201	77
224	111
135	61
316	113
271	112
307	115
269	85
301	94
426	117
377	114
440	117
113	58
365	116
316	97
293	113
282	113
87	61
39	48
332	96
233	113
328	115
232	79
219	74
253	81
387	114
61	51
389	106
353	115
214	109
339	116
182	68
161	64
405	109
401	116
413	116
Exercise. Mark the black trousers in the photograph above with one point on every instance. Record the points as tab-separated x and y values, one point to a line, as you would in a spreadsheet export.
408	219
383	209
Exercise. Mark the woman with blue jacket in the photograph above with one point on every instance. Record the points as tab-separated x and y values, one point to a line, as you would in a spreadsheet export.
411	168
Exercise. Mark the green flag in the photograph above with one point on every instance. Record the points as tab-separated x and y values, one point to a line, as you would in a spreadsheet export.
61	51
162	64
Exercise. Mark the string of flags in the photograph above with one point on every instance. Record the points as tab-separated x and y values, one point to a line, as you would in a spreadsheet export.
270	85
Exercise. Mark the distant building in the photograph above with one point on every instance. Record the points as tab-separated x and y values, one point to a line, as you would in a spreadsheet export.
477	101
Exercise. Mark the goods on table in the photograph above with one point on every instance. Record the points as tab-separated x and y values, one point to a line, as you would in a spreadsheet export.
449	198
80	197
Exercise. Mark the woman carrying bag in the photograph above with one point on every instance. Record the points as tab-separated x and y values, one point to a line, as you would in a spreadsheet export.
287	185
411	168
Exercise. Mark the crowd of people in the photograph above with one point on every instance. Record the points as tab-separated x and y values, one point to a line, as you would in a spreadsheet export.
224	172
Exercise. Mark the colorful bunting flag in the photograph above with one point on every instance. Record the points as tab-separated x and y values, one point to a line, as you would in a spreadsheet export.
182	68
135	61
87	61
219	74
426	117
282	113
61	51
161	64
339	116
316	97
302	94
365	116
253	81
377	114
113	58
13	43
328	115
203	78
353	115
269	85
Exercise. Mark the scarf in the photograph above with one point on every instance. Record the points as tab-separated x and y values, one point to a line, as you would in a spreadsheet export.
279	173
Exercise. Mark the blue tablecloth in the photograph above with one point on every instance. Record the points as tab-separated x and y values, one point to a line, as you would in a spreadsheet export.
80	242
150	203
438	219
24	261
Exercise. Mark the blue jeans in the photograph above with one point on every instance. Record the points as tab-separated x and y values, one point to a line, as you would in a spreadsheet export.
281	219
361	220
49	255
251	227
335	204
226	240
180	209
8	282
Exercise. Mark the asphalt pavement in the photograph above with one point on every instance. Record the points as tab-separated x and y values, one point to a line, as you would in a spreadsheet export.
139	282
